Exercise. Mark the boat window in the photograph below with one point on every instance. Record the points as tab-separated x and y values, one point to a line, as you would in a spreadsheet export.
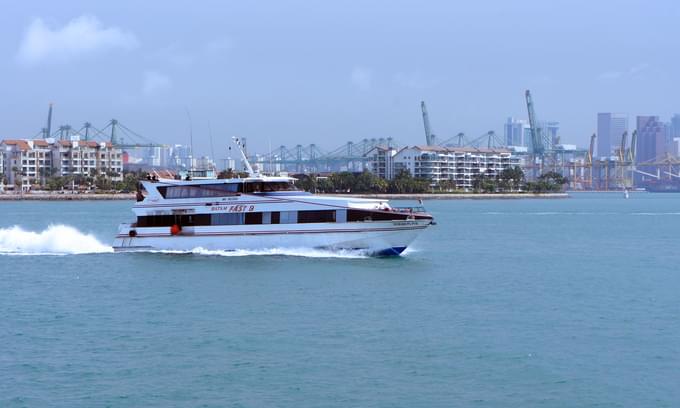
316	216
197	192
156	221
278	186
168	220
253	218
288	217
200	190
194	220
274	217
227	219
367	215
253	187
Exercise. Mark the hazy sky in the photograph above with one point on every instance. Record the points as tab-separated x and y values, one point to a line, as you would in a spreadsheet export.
288	72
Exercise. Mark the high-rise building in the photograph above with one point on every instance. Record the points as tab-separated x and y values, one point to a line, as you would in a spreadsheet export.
516	132
158	156
651	139
610	128
551	129
674	127
181	156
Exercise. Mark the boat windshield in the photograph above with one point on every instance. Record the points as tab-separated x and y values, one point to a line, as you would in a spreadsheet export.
269	186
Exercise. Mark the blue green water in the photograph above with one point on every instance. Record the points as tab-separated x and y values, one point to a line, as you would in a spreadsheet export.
551	303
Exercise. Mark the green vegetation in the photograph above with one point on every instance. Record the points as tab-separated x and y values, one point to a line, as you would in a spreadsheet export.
365	182
511	180
96	181
549	182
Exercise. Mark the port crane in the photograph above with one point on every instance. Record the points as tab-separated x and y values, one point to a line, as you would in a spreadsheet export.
429	137
589	160
89	132
541	145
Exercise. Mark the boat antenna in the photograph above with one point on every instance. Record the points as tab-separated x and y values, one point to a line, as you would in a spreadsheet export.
212	149
191	140
271	168
238	144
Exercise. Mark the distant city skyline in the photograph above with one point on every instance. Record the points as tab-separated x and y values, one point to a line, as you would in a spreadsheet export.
610	129
327	73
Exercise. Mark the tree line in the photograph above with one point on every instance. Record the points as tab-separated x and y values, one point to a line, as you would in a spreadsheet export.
364	182
509	180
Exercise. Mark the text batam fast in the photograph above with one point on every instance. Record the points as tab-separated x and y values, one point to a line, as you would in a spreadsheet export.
233	208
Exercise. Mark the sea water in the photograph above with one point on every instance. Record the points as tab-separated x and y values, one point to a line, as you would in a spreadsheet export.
551	303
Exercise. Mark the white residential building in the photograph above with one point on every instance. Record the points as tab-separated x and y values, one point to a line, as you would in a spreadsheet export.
381	161
87	158
31	162
25	162
459	165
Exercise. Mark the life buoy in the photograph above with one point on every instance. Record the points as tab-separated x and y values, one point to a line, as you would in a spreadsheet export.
175	229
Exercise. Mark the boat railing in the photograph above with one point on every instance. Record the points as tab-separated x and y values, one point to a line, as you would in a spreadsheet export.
409	209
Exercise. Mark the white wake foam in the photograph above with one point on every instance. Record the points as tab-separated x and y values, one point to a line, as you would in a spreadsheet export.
55	240
300	252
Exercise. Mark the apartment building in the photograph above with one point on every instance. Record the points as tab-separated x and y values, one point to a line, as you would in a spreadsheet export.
460	165
25	162
28	162
87	158
381	161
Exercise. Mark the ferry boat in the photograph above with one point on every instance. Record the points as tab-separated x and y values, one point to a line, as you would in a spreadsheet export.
261	212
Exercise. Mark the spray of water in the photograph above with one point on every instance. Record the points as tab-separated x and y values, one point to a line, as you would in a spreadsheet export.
299	252
55	240
67	240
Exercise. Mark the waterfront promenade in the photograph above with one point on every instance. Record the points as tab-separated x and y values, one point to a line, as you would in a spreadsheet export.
66	196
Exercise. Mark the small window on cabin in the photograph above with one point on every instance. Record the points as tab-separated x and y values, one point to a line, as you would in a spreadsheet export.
174	192
231	187
278	186
288	217
227	219
253	218
195	191
276	217
316	216
255	187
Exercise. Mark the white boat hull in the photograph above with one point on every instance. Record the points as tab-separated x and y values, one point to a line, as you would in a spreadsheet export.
374	237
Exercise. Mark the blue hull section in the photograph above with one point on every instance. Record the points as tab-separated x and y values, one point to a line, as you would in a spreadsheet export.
394	251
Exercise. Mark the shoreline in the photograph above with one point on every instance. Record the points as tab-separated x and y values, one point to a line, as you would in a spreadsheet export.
459	196
66	197
428	196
